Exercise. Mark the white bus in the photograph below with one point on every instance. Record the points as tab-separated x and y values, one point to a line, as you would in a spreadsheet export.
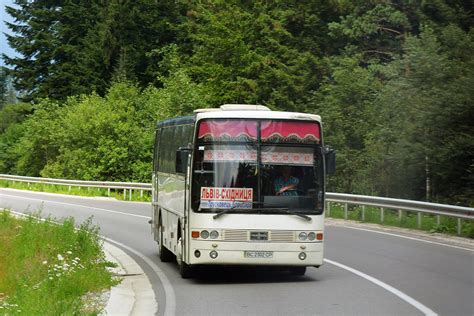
240	185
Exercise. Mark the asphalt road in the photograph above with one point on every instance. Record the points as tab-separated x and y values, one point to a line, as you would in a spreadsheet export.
400	276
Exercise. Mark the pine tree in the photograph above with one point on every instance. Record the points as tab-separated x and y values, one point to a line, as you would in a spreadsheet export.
48	36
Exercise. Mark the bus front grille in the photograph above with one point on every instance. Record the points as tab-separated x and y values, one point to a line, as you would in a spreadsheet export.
244	235
235	235
282	236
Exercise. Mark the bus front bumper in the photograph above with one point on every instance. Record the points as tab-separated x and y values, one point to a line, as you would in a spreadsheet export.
275	254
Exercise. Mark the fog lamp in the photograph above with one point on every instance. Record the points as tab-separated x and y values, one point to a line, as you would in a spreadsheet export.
213	254
302	256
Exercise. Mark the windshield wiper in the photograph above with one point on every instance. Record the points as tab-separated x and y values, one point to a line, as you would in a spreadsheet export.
231	210
288	211
281	209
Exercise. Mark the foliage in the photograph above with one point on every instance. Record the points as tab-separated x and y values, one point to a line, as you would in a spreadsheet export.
96	138
390	79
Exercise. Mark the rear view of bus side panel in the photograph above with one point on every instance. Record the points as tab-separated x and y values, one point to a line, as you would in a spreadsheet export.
170	185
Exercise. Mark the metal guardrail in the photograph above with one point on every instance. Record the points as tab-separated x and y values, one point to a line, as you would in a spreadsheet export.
384	204
127	187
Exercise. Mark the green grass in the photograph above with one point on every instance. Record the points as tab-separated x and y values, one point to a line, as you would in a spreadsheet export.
47	269
447	225
80	191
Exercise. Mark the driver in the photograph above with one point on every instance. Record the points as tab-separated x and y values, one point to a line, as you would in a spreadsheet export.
286	184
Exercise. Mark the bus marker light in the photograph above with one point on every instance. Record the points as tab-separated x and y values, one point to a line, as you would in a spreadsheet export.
204	234
214	245
302	256
197	253
303	247
195	234
319	236
302	236
213	254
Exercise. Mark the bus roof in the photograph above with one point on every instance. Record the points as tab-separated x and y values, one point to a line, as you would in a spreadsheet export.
182	120
239	111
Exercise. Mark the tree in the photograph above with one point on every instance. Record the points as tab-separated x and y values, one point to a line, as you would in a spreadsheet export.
48	36
244	53
76	47
434	136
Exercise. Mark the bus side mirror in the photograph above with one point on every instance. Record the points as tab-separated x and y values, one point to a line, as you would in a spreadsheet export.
182	159
330	160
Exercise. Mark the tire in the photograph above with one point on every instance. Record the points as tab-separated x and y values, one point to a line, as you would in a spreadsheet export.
163	252
185	270
297	271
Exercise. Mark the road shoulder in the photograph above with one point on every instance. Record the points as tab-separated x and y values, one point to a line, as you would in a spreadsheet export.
436	238
134	295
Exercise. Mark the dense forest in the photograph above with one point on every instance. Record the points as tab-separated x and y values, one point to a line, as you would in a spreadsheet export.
392	80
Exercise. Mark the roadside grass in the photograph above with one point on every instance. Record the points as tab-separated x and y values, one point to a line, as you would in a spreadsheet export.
429	223
49	269
137	196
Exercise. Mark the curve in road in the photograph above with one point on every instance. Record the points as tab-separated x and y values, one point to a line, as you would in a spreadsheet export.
331	291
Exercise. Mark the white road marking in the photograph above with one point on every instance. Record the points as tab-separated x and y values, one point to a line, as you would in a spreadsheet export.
405	237
76	205
424	309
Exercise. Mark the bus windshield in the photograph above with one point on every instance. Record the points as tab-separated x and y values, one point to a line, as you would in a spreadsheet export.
258	165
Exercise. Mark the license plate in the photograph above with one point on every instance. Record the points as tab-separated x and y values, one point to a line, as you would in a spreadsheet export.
258	254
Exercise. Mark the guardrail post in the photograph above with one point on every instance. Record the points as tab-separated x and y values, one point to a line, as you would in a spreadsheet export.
141	193
438	220
459	226
108	191
130	196
400	214
418	219
363	213
69	189
381	214
345	210
329	208
124	194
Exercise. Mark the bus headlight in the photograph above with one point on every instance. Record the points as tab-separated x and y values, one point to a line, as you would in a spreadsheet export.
311	236
214	234
204	234
302	236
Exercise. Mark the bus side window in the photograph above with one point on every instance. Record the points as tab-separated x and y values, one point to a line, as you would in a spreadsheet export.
166	164
157	151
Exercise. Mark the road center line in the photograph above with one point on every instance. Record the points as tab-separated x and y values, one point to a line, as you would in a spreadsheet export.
424	309
76	205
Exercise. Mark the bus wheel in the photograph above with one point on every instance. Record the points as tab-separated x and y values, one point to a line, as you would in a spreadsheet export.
297	270
184	269
163	252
